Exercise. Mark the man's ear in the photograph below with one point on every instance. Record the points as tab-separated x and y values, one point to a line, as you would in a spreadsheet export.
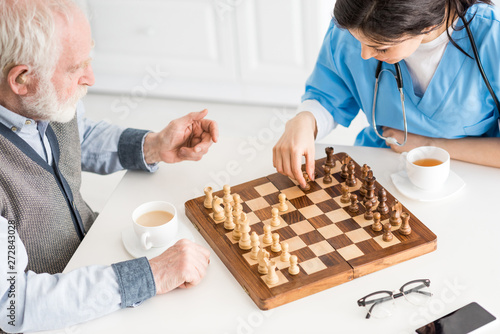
18	79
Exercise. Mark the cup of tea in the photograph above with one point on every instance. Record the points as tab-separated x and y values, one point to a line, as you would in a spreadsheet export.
155	224
428	167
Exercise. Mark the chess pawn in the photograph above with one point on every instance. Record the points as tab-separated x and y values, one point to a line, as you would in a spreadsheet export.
353	208
395	219
237	207
219	216
382	199
282	207
387	233
276	246
329	157
285	256
275	220
306	177
328	176
263	259
369	212
351	177
343	170
244	229
346	197
377	226
272	278
294	268
208	198
254	239
236	230
227	194
267	239
228	223
405	228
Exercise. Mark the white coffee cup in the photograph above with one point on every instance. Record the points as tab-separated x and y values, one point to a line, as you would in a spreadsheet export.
155	231
425	173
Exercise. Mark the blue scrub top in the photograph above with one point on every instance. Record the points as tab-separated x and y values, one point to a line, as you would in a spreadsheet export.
456	103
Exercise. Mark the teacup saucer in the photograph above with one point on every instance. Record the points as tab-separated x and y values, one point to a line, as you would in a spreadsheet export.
134	248
453	184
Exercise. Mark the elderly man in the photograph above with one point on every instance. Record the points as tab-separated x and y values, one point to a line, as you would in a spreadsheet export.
44	145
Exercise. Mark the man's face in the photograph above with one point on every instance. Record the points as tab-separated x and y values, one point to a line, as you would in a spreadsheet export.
389	53
56	97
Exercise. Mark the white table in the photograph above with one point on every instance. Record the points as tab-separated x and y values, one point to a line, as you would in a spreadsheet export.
464	268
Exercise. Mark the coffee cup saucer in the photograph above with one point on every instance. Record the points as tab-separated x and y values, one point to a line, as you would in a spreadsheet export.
453	184
134	248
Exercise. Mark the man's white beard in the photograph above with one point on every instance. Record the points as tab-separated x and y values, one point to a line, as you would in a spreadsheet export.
45	104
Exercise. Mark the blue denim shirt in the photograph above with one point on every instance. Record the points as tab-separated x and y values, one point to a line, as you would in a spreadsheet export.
44	301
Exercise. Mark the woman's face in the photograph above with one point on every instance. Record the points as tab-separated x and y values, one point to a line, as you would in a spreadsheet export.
390	53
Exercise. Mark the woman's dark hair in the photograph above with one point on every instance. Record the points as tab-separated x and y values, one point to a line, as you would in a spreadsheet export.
385	21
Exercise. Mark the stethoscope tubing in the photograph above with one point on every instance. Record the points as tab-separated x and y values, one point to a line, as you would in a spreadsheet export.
399	79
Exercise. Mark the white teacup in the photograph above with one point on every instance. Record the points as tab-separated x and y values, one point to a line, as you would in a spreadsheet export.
155	224
428	167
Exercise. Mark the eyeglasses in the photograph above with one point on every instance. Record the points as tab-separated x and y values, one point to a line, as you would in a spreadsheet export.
416	292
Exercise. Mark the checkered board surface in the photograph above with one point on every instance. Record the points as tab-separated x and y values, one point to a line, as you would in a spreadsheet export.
333	245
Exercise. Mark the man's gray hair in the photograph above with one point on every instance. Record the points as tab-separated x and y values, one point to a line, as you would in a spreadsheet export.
28	34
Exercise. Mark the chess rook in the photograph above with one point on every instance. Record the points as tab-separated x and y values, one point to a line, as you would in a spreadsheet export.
330	162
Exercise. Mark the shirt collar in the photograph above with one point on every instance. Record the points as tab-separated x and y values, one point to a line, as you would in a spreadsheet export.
14	121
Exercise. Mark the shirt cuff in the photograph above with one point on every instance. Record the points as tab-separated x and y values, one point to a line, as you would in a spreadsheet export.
135	280
131	150
324	120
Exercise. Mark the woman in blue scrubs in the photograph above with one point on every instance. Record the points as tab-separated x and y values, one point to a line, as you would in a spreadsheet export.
446	101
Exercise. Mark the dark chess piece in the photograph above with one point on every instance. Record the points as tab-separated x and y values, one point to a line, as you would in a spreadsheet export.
376	226
329	157
351	177
353	208
328	176
382	199
405	228
387	233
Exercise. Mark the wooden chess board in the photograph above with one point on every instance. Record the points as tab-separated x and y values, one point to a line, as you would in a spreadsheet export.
333	246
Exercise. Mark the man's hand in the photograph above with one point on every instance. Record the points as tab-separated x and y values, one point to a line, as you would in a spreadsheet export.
186	138
296	141
181	266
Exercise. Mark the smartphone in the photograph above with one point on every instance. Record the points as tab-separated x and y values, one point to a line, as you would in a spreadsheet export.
462	321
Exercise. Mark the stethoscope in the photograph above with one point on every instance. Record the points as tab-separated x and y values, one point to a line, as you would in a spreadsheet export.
399	80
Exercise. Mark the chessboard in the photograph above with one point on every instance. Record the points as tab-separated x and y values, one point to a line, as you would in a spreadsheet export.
333	245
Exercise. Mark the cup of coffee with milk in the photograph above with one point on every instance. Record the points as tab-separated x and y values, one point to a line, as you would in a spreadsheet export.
428	167
155	224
